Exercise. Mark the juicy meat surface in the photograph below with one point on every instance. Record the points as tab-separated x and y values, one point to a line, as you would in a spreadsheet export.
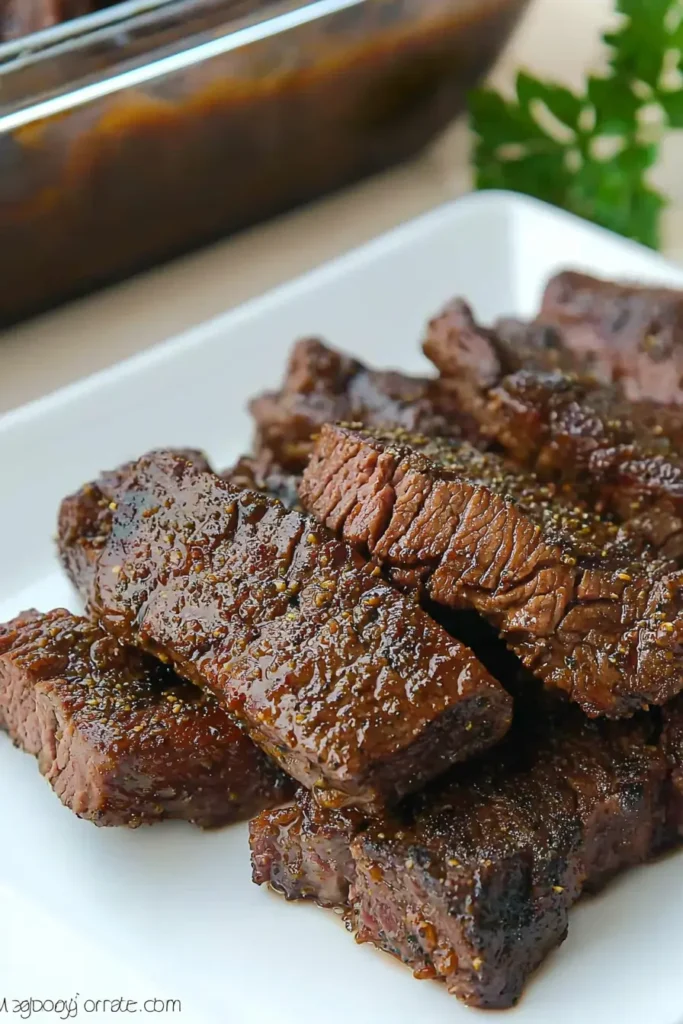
613	452
622	457
631	335
588	609
323	385
122	740
304	851
465	353
672	745
84	520
343	680
472	880
260	473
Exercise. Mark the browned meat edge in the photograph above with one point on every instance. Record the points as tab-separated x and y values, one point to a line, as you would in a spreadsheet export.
344	681
631	334
588	610
304	851
122	740
322	385
620	456
472	881
254	473
84	520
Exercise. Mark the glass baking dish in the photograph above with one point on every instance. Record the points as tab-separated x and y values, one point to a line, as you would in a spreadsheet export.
137	133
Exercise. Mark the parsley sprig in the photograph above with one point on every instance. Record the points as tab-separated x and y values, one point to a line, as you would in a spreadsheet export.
591	152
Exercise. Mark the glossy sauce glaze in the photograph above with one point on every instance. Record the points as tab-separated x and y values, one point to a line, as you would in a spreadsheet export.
471	881
121	739
590	609
342	679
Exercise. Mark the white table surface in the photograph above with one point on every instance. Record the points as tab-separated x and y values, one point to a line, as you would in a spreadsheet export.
557	37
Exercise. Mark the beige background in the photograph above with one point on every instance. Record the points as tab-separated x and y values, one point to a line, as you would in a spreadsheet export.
557	37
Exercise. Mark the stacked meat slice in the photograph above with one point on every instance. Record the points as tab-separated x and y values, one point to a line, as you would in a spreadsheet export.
119	737
323	385
625	335
628	334
472	881
344	681
592	611
622	457
560	527
457	540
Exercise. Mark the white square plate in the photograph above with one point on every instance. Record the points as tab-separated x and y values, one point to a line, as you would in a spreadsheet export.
175	905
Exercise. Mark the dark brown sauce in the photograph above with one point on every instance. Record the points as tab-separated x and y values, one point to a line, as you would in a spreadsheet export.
128	181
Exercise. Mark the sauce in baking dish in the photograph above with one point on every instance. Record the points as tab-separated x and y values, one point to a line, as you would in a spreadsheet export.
132	178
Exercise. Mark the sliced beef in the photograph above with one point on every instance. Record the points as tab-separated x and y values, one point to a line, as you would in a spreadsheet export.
588	609
622	457
631	334
465	353
261	473
83	527
303	850
343	680
672	744
477	890
7	630
614	453
85	517
119	737
323	385
472	881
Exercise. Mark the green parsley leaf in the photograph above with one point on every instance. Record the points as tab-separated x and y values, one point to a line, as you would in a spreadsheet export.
590	152
561	102
616	108
640	45
672	104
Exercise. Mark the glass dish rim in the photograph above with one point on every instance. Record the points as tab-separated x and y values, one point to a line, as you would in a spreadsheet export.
266	23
